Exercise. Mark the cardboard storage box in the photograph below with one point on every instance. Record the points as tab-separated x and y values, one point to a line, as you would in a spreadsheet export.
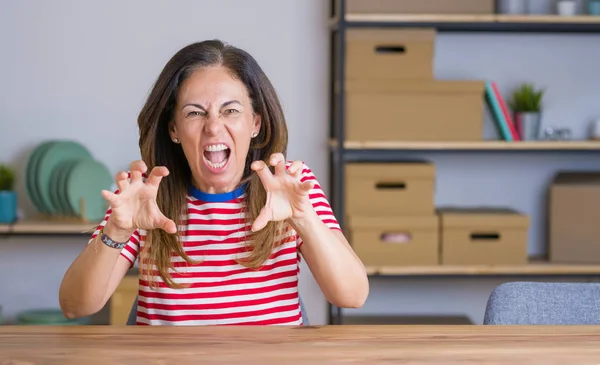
415	111
421	6
483	236
389	54
574	218
395	240
399	188
122	300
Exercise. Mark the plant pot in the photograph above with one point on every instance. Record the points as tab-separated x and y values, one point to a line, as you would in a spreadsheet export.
8	206
566	7
513	6
594	7
528	125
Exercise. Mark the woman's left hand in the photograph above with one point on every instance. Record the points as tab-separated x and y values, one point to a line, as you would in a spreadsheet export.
287	196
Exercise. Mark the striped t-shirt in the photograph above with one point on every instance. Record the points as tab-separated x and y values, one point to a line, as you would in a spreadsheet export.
221	291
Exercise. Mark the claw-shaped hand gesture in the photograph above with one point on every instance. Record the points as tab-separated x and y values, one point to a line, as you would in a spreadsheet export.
135	205
287	196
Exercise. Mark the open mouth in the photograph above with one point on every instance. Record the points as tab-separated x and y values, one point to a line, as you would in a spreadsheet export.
216	155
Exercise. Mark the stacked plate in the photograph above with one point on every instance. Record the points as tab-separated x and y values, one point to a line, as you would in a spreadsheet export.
63	179
48	317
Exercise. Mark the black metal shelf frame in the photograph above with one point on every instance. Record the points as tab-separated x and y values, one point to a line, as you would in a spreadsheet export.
338	26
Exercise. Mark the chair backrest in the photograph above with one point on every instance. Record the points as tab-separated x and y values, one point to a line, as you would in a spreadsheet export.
132	319
530	303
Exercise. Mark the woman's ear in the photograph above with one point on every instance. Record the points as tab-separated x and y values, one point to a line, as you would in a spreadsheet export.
257	123
173	132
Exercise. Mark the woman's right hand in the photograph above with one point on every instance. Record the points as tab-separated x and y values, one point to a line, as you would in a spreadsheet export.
135	207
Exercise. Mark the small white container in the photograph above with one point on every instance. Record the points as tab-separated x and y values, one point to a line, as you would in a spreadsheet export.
566	7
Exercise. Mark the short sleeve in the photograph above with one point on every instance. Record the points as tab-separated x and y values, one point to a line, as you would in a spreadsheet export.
131	249
319	201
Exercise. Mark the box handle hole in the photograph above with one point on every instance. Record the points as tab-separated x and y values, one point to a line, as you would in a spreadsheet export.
485	236
388	186
390	49
395	237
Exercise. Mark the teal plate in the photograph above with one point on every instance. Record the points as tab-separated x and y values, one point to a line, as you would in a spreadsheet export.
58	152
49	317
30	175
85	181
62	187
56	187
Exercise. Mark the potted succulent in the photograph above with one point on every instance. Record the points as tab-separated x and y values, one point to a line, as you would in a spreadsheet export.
8	195
526	104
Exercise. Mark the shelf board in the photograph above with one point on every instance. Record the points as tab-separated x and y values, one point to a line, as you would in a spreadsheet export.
400	18
477	18
480	22
47	227
576	19
475	146
531	269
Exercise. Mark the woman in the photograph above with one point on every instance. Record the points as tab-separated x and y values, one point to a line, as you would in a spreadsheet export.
215	215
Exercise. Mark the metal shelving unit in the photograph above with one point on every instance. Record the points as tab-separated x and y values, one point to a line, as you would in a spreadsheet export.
343	151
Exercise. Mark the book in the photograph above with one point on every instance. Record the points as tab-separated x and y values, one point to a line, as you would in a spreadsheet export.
496	112
507	117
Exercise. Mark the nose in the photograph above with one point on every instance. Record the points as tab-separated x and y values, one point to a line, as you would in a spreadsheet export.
213	124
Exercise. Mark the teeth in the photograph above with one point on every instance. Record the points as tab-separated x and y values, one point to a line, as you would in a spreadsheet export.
215	147
215	165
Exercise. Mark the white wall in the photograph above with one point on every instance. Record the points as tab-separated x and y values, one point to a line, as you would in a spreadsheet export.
81	70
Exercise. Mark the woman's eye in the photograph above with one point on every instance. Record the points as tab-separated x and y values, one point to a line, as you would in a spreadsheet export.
231	111
193	113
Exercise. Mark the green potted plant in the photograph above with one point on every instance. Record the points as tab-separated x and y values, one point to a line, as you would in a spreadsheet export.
8	195
526	104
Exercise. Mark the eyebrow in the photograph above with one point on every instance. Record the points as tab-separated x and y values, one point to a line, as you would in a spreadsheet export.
199	106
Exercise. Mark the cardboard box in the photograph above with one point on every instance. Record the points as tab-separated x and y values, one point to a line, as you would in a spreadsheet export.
399	188
122	300
415	110
389	54
420	6
483	236
574	218
395	240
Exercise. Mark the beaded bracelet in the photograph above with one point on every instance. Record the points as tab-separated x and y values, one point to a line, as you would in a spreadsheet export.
110	242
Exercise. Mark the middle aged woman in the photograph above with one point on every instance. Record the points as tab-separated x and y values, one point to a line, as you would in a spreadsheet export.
216	217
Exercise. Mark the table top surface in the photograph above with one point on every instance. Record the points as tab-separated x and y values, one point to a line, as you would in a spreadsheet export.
300	345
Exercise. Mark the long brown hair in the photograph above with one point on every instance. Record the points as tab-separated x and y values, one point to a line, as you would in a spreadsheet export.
157	149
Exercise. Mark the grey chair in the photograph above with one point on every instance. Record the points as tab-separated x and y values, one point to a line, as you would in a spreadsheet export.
531	303
132	319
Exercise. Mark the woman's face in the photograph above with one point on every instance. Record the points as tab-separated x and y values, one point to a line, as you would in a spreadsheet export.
214	122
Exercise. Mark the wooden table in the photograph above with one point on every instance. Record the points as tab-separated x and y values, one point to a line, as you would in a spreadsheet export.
308	345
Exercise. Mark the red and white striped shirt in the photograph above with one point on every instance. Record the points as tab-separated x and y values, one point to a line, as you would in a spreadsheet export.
221	291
